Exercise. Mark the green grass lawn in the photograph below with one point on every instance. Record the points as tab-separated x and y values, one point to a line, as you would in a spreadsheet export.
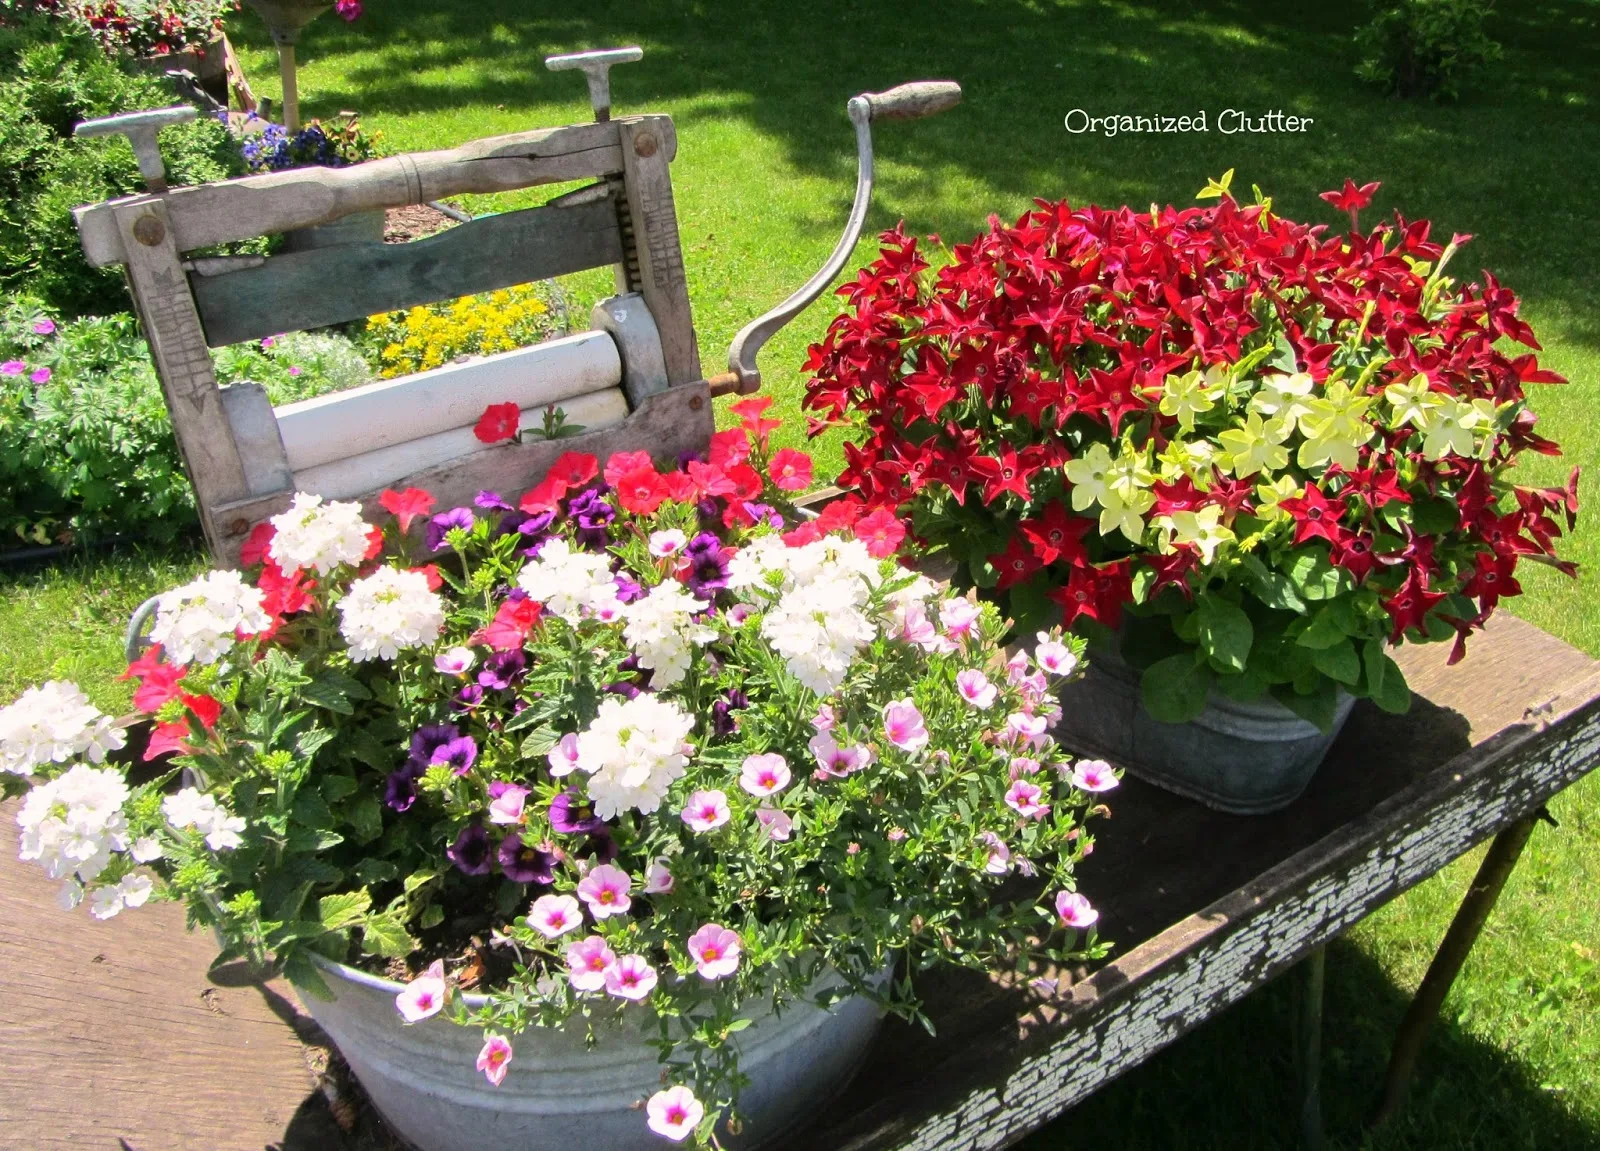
763	180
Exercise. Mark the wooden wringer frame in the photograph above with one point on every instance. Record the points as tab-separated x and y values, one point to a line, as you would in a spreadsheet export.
634	380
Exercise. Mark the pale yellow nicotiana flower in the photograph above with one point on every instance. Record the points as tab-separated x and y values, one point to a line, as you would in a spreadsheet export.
1130	473
1127	517
1269	495
1449	429
1191	458
1087	474
1190	395
1412	402
1335	428
1255	447
1202	528
1286	397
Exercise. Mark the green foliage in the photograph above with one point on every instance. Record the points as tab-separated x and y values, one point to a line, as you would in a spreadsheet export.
86	446
1428	48
56	75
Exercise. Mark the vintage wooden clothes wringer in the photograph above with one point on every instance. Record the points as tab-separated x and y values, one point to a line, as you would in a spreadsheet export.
634	381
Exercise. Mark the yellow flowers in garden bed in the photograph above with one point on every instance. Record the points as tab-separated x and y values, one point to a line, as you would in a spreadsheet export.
421	338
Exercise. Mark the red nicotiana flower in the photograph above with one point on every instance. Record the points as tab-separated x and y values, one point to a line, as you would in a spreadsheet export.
1315	516
498	422
1057	534
1410	605
1015	564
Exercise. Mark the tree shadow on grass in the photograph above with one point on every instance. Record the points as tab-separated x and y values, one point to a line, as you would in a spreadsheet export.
1233	1082
1509	163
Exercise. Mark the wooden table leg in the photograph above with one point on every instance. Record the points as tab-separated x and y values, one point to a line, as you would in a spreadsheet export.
1448	960
1309	1049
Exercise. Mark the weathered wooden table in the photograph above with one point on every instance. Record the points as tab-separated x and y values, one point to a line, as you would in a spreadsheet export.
112	1031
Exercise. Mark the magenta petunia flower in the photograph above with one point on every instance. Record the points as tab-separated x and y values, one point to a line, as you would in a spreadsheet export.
902	723
587	961
1026	799
40	376
765	774
424	995
1074	910
630	977
777	824
605	889
13	368
45	327
1093	775
715	950
706	810
554	915
494	1058
674	1113
975	687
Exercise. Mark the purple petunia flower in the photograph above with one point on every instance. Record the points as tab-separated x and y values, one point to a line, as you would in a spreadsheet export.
41	376
628	588
599	847
593	515
491	501
13	368
535	530
760	512
44	327
468	698
458	754
470	851
723	723
502	668
708	569
627	689
571	814
400	792
434	539
429	739
524	862
709	510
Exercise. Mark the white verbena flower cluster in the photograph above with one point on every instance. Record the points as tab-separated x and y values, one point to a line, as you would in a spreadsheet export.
200	620
389	611
571	583
52	724
70	827
190	808
312	534
817	597
662	630
633	751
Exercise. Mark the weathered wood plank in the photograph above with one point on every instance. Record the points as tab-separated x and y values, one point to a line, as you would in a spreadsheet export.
313	289
391	412
1010	1062
648	144
275	202
183	362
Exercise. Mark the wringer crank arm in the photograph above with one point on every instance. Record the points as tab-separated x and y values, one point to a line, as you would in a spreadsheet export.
906	102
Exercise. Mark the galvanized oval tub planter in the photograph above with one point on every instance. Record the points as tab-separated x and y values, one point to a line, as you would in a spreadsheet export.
1242	758
558	1093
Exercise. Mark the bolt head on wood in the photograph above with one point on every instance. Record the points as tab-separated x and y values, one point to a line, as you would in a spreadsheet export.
149	231
644	144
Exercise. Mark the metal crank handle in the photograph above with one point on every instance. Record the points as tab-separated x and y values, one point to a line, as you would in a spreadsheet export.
906	102
140	128
596	68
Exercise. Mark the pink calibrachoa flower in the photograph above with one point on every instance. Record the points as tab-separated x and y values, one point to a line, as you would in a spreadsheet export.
1093	775
1075	910
44	327
424	995
554	915
835	762
999	861
740	612
824	719
959	617
1028	729
1022	765
975	688
1017	667
764	774
605	889
1054	656
895	834
1025	798
658	880
507	806
777	824
667	543
674	1113
630	977
13	368
456	661
715	950
706	810
587	961
563	756
495	1058
902	723
40	376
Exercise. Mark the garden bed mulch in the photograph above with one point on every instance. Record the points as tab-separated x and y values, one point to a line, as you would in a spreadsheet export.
413	222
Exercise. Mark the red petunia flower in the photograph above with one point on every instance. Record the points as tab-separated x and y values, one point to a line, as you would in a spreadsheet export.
881	531
498	422
790	470
751	412
406	506
621	463
430	572
543	496
640	490
511	625
729	448
574	469
254	548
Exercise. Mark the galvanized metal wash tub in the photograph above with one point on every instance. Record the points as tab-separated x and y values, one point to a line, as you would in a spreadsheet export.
558	1094
1244	758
